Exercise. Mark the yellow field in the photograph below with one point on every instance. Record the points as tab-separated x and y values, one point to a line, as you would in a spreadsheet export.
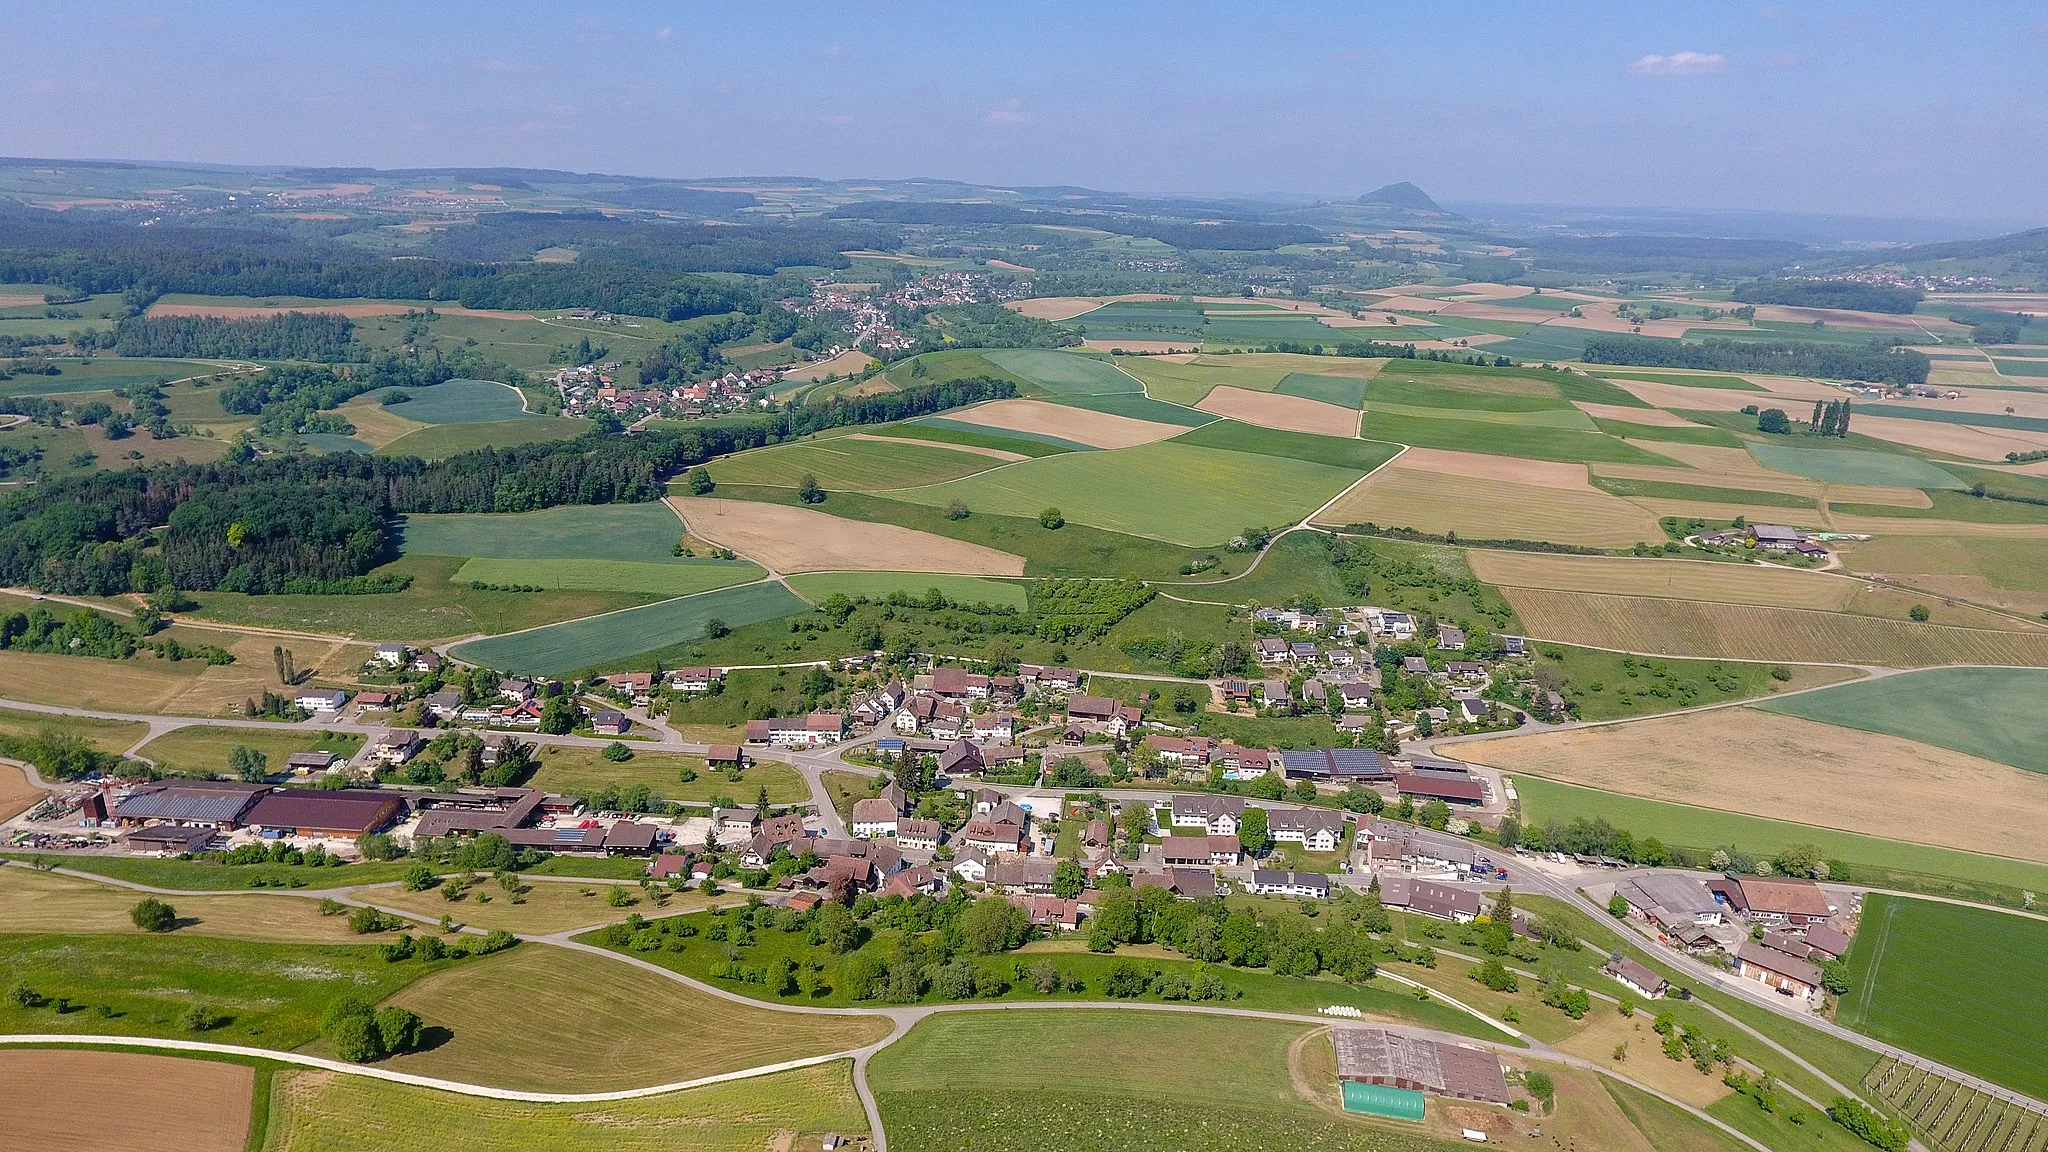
1967	441
801	540
1492	509
1743	632
1764	764
2005	573
1683	579
375	424
1287	413
844	364
1752	478
32	901
17	795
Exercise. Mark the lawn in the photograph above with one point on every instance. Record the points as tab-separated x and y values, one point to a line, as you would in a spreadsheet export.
1959	985
581	771
316	1112
566	647
1230	435
1995	713
1067	373
572	532
817	586
510	1013
269	995
36	901
1109	1081
1169	491
1849	466
845	462
678	577
1683	826
440	441
463	402
200	750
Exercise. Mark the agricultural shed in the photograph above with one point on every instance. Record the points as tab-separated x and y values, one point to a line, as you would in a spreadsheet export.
344	814
1382	1101
1389	1059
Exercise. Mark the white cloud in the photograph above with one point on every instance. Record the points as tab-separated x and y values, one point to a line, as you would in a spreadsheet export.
1680	64
1008	112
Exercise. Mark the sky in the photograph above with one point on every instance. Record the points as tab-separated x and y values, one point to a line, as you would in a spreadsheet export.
1890	109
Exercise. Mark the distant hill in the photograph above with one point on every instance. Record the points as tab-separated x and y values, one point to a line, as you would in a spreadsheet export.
1403	195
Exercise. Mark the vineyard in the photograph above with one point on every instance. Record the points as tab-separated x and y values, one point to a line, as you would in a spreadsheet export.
1953	1117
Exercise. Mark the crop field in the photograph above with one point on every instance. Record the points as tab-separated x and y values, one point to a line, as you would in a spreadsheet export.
1527	441
1977	1007
202	750
1138	406
845	462
1472	391
1338	452
1080	428
1490	508
818	586
165	1104
574	644
1174	492
1686	379
680	577
1347	391
1853	467
2006	573
17	795
800	539
1288	413
377	424
464	402
967	437
571	532
624	1019
1773	766
437	442
1066	373
1682	579
1994	713
1189	382
1745	632
1701	493
328	1112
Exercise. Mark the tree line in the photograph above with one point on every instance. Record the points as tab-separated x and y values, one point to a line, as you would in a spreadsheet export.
1875	363
1853	295
288	336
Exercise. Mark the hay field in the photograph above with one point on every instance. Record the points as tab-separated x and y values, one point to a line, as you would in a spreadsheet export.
375	424
1068	373
1651	417
1683	579
222	690
329	1112
1714	510
846	463
1541	473
1480	507
1747	632
1966	440
74	1100
1077	425
2007	573
1068	307
1003	454
548	1019
1993	713
642	531
790	539
1690	399
1849	466
844	364
1288	413
1788	768
32	901
1735	468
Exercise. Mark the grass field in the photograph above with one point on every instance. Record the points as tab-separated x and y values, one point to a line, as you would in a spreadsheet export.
463	402
207	876
439	441
627	1023
1688	826
103	735
1988	570
580	771
1609	685
1746	632
1347	391
1960	985
844	462
1684	379
201	750
571	532
566	647
818	586
1995	713
1137	406
1362	455
976	437
1178	493
34	901
1678	579
545	906
166	1104
1665	490
1067	373
1787	768
325	1112
1527	441
677	577
1853	467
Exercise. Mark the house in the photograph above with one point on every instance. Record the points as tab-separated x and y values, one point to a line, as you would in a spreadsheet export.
1303	652
1460	905
393	654
916	712
1670	899
1272	883
1336	765
1189	752
426	662
1097	834
1186	883
725	756
992	836
668	866
1514	645
1415	665
1315	829
1213	813
814	730
1199	851
321	699
874	817
1050	679
970	864
1275	694
1356	694
1465	670
785	832
1404	1063
1341	657
1022	875
1450	638
1776	900
446	705
921	834
1054	912
961	758
910	882
525	714
736	823
215	804
1450	787
517	691
1355	722
1474	711
395	746
1001	727
610	722
1243	763
1270	650
1237	691
1826	942
1634	975
342	814
1776	537
694	680
1108	711
307	763
367	701
636	686
1783	971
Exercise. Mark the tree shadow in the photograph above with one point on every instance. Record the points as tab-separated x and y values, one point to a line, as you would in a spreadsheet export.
433	1036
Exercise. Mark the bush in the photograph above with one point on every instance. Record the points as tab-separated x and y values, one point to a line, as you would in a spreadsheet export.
364	921
355	1038
418	878
200	1018
1540	1086
398	1029
1868	1126
1052	518
1919	613
617	752
153	915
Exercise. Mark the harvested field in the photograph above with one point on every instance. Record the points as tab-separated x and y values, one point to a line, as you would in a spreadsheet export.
375	424
1289	413
1068	307
1153	346
1686	399
1918	526
1095	429
1653	417
61	1100
801	540
1965	440
17	795
32	901
1764	764
1488	509
844	364
139	685
1682	579
1541	473
2005	573
1745	632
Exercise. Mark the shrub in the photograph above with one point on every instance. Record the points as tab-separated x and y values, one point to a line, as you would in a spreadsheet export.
200	1018
418	878
153	915
355	1038
1052	518
617	752
364	921
1868	1126
398	1029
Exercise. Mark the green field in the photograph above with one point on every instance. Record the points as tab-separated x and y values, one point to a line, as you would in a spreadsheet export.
331	443
844	462
1848	466
1666	490
1067	373
1528	442
103	735
1593	390
105	373
1683	826
1139	407
463	402
1995	713
566	647
950	364
1189	383
571	532
1960	985
1637	685
1174	492
817	586
1712	437
1362	455
2021	367
202	750
942	432
1687	379
1475	391
580	771
443	440
321	1113
678	577
1347	391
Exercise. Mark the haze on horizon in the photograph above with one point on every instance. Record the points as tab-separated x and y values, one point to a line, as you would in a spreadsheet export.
1911	109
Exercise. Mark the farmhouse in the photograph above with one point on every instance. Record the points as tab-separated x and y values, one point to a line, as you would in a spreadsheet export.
610	722
1635	976
1776	537
1216	814
1390	1059
992	836
342	814
1022	875
1439	900
961	757
1186	883
1391	844
1783	971
1826	942
189	803
635	686
1274	883
1450	638
818	728
1793	903
874	817
1336	765
785	831
1054	912
1670	899
1450	787
1315	829
1209	851
1050	679
914	833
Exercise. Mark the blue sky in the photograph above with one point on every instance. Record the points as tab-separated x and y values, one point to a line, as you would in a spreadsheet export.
1886	109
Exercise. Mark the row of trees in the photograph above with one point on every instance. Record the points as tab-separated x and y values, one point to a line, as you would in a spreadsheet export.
1876	363
288	336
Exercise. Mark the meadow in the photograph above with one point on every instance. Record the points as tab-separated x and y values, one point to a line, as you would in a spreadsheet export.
1066	373
1959	985
818	586
1850	466
1530	441
581	771
1993	713
580	531
102	735
938	430
678	577
846	462
1178	493
33	901
1230	435
463	402
439	441
562	648
202	750
1609	685
322	1112
545	905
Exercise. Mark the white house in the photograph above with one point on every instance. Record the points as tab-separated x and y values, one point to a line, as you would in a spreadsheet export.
321	699
874	817
1272	883
693	679
393	654
1215	815
1315	829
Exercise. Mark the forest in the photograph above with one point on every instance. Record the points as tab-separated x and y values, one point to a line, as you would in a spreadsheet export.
289	336
1850	294
1874	363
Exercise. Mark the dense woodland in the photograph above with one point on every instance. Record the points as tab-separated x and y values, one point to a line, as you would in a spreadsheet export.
1873	363
290	336
1850	294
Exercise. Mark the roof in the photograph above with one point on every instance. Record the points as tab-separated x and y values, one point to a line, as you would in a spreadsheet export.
1308	820
1336	763
914	829
874	810
1828	940
207	801
1773	532
1094	707
1624	968
1783	963
1671	891
1785	897
1378	1054
1207	805
357	810
1443	785
1263	877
